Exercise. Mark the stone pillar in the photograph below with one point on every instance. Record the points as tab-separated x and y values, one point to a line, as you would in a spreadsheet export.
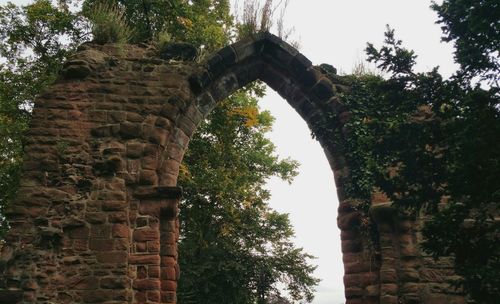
361	261
153	260
383	214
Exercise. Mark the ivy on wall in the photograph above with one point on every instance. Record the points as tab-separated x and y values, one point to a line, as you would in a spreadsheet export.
430	144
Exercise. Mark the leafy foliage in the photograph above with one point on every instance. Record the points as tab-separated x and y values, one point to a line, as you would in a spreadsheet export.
204	24
109	24
243	249
431	144
474	28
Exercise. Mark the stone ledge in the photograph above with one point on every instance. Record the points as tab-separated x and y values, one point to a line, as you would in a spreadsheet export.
158	192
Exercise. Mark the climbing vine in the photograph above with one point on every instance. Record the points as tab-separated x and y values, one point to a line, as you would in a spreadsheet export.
431	145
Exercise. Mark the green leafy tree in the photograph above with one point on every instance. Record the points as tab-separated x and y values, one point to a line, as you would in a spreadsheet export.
243	249
432	145
205	24
474	29
34	40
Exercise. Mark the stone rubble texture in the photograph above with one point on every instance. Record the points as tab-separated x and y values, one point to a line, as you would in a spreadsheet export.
96	217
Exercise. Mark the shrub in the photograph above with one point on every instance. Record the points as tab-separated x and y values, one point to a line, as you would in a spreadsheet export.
109	24
162	40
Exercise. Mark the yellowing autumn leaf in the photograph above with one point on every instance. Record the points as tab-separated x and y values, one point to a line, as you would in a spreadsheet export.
250	114
184	171
185	22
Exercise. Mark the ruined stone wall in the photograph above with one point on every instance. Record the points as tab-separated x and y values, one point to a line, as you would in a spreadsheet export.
96	216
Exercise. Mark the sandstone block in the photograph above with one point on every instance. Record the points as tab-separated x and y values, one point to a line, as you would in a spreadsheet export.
97	296
101	244
146	234
130	130
168	273
112	257
83	283
114	283
78	232
117	217
168	285
146	284
120	231
114	205
95	217
100	231
153	296
154	271
153	246
144	259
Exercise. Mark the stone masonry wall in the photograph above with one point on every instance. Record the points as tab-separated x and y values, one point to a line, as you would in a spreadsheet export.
96	217
95	220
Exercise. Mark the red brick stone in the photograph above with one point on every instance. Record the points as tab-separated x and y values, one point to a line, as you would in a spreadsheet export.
141	247
120	231
100	231
168	285
169	237
148	177
388	276
169	250
97	296
101	244
114	283
144	259
168	297
154	271
117	217
108	195
80	245
114	205
122	244
167	261
153	296
151	208
79	232
140	297
153	246
82	283
95	217
112	257
146	284
168	273
146	234
350	246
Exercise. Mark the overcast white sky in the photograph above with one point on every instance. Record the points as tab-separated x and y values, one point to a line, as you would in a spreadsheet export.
336	32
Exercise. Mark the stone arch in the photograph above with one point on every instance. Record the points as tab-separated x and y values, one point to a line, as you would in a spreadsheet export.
309	89
313	93
95	220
